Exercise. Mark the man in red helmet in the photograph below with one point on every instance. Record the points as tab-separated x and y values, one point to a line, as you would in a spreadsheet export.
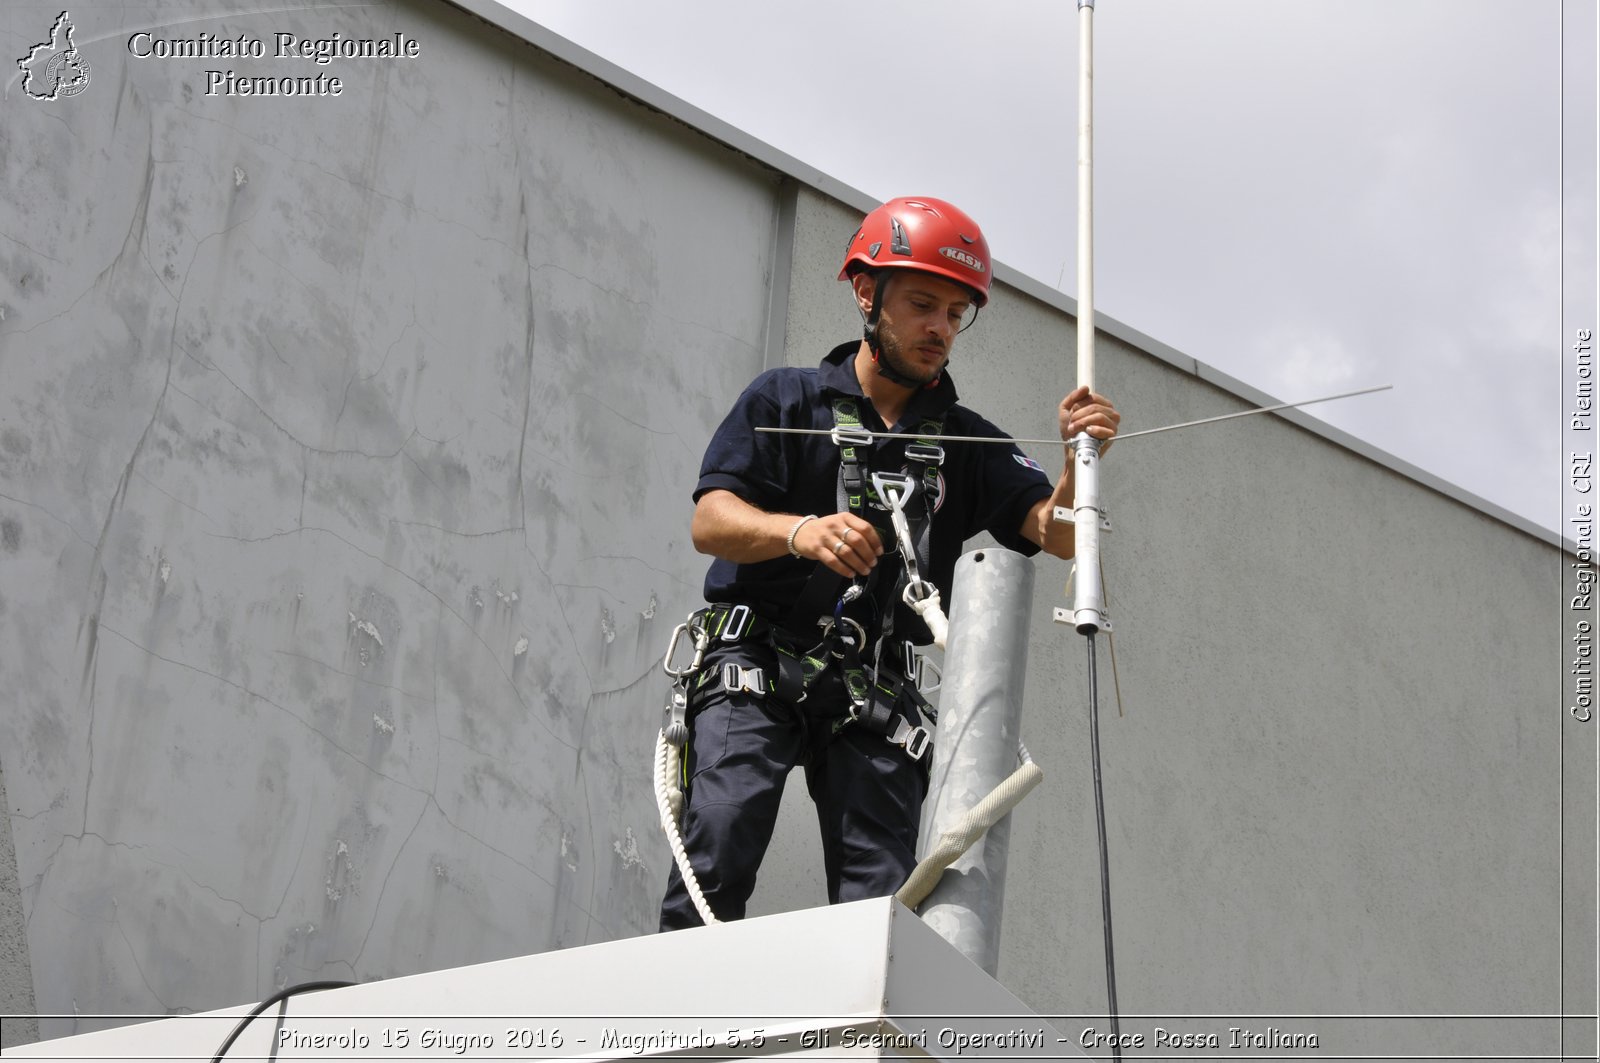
816	539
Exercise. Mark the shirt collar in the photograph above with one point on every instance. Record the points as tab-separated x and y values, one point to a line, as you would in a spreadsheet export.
838	373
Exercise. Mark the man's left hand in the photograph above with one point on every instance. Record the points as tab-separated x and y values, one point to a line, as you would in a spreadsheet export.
1082	411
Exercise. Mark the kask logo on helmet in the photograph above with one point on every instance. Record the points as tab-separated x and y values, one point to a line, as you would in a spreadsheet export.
966	258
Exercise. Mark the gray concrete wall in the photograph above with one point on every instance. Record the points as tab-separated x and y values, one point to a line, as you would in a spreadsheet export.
18	1026
345	452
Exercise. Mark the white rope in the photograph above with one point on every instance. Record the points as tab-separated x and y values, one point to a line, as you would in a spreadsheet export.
955	841
959	838
669	802
932	614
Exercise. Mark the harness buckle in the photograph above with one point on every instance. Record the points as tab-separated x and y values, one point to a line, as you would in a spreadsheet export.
917	668
737	621
737	679
927	453
850	436
915	739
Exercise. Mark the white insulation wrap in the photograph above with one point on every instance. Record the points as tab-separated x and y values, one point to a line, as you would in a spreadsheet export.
968	829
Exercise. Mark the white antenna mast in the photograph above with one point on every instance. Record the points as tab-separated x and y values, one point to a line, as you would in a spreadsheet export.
1088	605
1088	613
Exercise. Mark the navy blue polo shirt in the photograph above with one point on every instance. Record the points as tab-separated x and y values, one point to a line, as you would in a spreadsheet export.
986	486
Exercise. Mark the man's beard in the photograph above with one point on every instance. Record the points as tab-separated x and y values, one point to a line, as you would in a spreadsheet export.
893	355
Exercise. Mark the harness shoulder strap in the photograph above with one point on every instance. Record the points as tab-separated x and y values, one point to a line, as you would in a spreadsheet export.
853	486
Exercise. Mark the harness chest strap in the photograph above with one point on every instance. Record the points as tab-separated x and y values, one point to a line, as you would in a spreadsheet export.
820	596
854	441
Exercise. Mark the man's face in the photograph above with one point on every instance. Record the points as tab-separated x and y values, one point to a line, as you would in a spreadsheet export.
919	320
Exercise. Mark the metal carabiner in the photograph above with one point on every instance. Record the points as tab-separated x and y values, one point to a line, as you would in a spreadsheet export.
894	489
701	641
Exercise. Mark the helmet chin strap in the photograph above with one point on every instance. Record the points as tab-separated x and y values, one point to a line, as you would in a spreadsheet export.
869	332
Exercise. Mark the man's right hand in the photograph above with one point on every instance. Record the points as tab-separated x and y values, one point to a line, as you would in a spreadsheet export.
844	542
728	527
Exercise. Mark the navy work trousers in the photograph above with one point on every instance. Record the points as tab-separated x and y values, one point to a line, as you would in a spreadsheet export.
868	793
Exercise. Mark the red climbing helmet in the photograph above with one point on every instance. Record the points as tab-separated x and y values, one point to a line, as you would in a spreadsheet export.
918	232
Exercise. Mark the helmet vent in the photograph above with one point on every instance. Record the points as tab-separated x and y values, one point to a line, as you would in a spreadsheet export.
897	238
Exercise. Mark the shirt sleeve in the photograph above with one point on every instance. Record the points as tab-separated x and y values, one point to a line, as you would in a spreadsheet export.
739	459
1007	486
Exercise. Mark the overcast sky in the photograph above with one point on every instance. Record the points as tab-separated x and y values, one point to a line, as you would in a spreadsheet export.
1309	195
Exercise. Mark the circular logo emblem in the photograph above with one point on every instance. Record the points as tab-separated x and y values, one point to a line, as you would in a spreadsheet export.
67	73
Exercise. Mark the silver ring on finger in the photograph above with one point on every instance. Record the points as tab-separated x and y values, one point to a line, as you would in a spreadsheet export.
838	547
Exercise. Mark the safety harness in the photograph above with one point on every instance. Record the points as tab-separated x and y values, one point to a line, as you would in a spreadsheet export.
853	620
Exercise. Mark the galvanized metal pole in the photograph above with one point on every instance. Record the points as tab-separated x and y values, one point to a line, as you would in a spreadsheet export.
980	726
